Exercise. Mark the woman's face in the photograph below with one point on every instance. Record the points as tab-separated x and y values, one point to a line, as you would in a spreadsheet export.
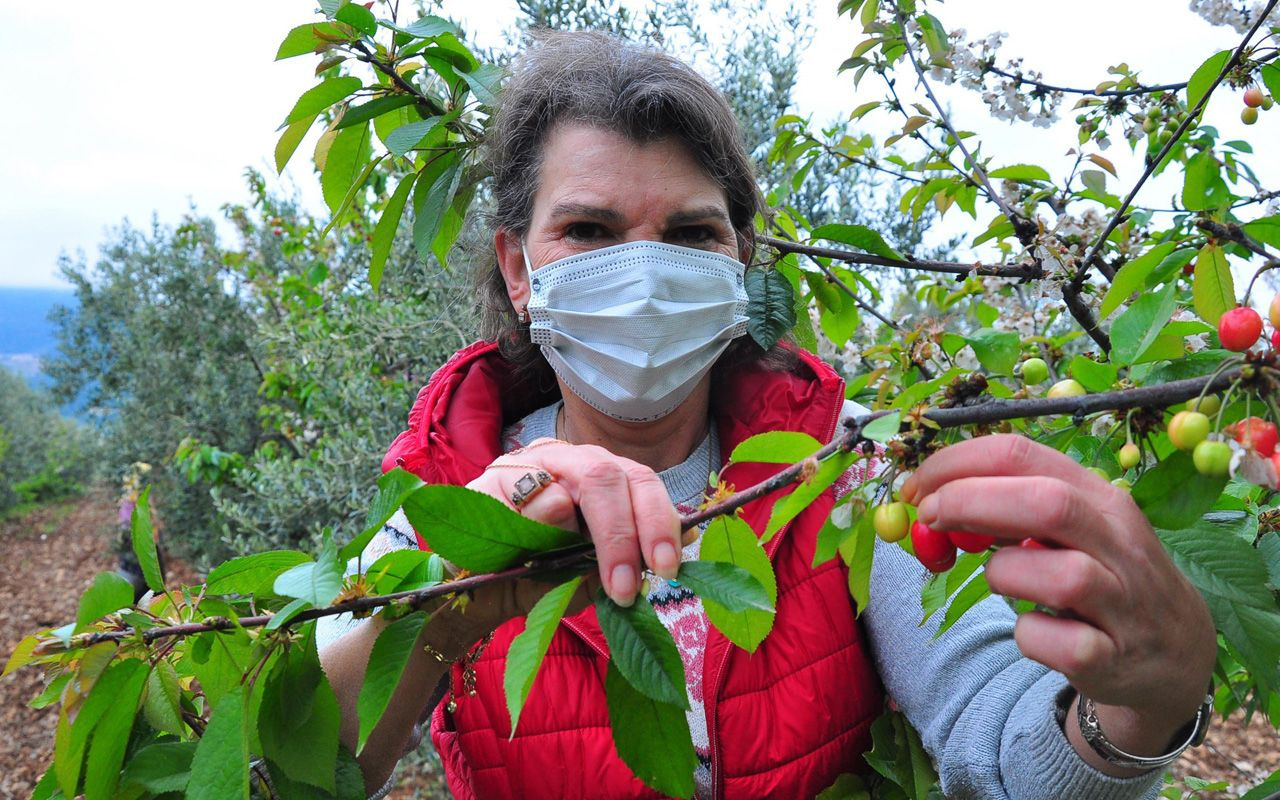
598	188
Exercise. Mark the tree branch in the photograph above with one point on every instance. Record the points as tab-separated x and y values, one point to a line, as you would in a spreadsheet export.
1022	271
1041	86
1084	316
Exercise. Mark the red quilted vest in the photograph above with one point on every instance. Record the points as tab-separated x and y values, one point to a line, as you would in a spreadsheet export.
784	722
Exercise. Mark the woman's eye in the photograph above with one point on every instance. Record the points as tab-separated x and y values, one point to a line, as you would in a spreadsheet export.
584	231
693	234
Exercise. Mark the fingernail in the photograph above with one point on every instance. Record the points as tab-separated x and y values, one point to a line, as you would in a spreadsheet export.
622	584
927	511
908	490
666	561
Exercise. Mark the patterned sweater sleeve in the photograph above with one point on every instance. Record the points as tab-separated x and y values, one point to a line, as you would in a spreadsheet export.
985	713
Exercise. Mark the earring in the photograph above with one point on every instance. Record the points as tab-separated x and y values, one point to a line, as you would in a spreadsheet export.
523	315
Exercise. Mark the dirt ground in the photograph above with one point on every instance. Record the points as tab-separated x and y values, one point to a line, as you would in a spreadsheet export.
50	555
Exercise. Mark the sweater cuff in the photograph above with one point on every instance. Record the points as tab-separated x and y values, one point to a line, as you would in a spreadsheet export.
1036	755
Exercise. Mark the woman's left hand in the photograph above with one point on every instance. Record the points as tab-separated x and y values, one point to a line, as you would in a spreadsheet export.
1131	631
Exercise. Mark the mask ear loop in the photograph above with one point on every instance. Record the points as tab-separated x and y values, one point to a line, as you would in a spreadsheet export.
523	314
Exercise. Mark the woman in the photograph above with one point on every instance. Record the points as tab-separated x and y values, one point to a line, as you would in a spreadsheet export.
625	207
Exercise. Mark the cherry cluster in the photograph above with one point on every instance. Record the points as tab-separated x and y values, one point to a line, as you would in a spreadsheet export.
935	548
1253	100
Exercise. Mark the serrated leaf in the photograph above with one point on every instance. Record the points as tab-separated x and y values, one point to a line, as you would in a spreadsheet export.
770	306
304	39
1204	76
857	552
1132	277
997	351
358	17
1140	324
144	544
524	656
478	532
74	737
321	96
431	205
161	703
859	236
288	612
775	447
1203	187
387	661
666	762
220	766
1095	180
354	115
882	429
483	81
347	160
392	570
394	487
1104	163
247	574
1270	74
786	509
1173	494
969	595
1213	291
109	738
841	523
22	655
642	649
384	233
108	593
1022	173
316	582
1094	376
298	718
290	139
731	540
406	137
727	584
1265	230
161	767
428	27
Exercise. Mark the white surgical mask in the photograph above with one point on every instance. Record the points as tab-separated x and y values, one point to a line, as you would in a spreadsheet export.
632	328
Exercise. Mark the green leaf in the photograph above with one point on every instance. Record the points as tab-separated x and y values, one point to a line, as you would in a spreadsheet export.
1204	188
1021	172
247	574
1265	230
770	306
22	655
308	38
1095	180
786	509
775	447
969	595
317	582
897	754
846	787
727	584
1173	494
390	655
1204	76
1094	376
1270	74
1213	291
524	656
664	762
108	593
394	487
347	160
401	570
354	115
161	767
1132	277
110	737
858	553
997	351
882	429
730	539
321	96
161	705
358	17
430	206
484	82
288	612
220	766
1140	324
144	543
429	27
384	233
840	525
298	718
478	532
859	236
290	139
642	649
102	702
406	137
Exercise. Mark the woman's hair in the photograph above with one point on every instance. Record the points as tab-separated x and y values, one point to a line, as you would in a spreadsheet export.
599	80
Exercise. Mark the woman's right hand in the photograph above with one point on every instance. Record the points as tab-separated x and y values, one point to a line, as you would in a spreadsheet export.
621	504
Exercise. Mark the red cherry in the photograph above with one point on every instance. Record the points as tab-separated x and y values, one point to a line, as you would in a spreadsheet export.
971	542
932	547
1253	97
1275	339
1036	544
1256	434
1239	328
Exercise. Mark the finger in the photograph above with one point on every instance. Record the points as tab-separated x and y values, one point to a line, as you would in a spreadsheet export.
553	506
998	454
1076	649
657	523
605	501
1066	580
1017	507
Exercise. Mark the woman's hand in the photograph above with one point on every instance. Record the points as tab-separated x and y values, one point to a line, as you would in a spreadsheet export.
622	505
1131	631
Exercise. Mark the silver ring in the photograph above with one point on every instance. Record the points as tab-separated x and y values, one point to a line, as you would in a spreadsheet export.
528	485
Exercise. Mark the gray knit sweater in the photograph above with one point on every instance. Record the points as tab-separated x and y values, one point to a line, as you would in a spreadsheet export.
984	712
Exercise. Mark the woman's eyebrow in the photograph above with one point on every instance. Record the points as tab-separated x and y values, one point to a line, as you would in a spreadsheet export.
702	214
583	210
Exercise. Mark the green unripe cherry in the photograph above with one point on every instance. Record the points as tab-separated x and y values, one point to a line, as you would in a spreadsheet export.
1100	472
891	521
1068	387
1212	458
1121	483
1129	455
1209	404
1188	429
1034	371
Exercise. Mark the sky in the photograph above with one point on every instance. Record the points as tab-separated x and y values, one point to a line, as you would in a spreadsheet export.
153	108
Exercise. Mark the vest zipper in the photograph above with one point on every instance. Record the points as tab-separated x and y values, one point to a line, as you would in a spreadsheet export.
717	790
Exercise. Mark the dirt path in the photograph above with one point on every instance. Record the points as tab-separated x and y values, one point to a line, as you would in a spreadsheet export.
49	556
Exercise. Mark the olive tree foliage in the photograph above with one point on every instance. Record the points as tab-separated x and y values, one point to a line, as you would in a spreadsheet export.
43	455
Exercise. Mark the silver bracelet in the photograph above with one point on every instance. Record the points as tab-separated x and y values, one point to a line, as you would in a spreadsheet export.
1091	730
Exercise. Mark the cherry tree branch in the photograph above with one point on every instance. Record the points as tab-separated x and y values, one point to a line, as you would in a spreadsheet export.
1018	78
1022	271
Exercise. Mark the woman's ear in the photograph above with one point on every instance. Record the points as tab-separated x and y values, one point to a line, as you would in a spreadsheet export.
746	247
511	263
